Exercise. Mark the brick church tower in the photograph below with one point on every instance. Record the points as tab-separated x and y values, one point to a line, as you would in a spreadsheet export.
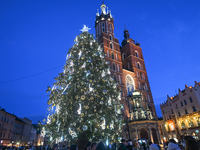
128	68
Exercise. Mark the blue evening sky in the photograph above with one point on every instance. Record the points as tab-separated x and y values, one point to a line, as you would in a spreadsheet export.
35	36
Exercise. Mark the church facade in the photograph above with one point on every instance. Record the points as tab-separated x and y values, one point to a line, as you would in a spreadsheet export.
128	69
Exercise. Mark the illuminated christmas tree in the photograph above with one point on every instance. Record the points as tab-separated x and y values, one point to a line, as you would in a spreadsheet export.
84	100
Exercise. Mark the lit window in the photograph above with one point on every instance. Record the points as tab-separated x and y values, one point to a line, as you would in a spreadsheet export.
185	102
183	125
191	124
113	56
191	100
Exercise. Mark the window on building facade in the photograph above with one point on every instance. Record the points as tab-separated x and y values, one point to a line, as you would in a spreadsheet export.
191	100
118	67
129	85
115	77
185	102
111	45
182	125
169	104
136	54
123	56
7	120
170	117
116	56
141	75
194	109
181	104
176	106
138	65
112	55
172	111
198	121
114	67
1	118
120	79
191	124
110	27
110	36
163	112
186	112
179	114
103	27
3	134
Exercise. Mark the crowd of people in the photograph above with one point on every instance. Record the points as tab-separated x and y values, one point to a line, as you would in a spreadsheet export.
184	143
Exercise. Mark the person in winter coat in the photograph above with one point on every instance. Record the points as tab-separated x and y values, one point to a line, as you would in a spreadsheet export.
172	145
191	144
122	145
153	146
101	146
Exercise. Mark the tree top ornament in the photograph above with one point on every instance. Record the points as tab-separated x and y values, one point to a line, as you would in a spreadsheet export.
85	29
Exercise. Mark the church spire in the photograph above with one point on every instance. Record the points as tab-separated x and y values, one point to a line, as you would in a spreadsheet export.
103	8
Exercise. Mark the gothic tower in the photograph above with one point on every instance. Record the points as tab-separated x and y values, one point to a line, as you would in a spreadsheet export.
133	65
128	68
104	26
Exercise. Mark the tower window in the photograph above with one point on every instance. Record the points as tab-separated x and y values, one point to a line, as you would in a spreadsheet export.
110	36
176	106
191	100
138	65
111	45
103	27
113	56
141	75
123	56
110	27
194	109
163	112
136	54
185	102
115	77
114	67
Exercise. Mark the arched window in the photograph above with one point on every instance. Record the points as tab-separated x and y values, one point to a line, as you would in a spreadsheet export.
103	27
110	37
123	56
129	85
141	75
191	124
115	77
138	65
113	56
136	54
114	67
111	45
110	27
